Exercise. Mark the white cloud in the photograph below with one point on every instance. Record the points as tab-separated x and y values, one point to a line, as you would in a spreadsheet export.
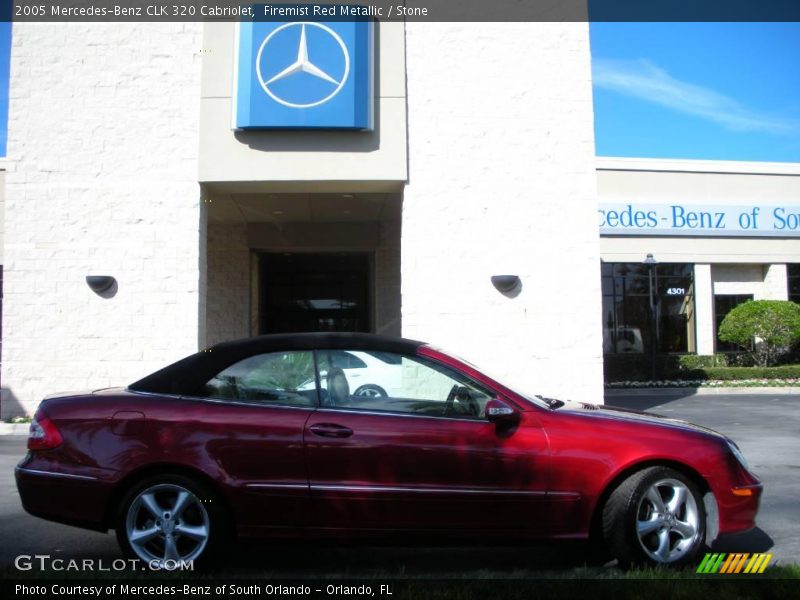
644	80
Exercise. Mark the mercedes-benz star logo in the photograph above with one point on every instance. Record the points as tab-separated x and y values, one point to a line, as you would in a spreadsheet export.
303	64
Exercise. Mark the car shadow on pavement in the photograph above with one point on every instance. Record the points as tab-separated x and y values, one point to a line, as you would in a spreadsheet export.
755	540
646	401
305	559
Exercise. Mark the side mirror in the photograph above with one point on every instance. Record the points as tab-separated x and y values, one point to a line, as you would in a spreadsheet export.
497	411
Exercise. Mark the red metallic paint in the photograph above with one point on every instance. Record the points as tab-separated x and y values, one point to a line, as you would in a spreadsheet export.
295	471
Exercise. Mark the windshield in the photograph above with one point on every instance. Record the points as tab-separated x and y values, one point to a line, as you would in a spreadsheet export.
533	398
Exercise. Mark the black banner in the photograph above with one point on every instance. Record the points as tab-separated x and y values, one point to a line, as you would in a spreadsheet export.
401	10
740	586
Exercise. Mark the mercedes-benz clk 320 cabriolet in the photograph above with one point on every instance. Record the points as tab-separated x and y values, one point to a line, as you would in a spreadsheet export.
234	440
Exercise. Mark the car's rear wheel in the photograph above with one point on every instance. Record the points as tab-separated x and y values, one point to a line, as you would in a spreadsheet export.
655	517
167	520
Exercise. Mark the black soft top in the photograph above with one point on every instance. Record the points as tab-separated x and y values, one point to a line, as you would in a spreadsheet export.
187	375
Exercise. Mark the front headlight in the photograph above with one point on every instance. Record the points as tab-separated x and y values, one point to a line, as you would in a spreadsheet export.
738	454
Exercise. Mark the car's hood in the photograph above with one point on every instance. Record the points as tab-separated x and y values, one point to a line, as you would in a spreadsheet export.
627	414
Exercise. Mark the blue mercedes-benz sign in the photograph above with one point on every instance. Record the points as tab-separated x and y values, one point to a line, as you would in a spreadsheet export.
304	75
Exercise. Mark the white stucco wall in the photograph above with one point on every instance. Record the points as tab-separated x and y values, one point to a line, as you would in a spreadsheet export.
502	181
776	283
102	179
704	309
2	206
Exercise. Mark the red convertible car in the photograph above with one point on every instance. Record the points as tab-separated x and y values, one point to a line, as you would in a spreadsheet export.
264	437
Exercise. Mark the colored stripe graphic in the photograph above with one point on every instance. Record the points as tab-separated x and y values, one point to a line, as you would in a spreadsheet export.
703	567
763	563
738	562
729	563
711	563
755	562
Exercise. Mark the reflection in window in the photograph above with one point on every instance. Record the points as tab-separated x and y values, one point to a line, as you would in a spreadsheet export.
627	321
793	282
723	304
279	378
399	384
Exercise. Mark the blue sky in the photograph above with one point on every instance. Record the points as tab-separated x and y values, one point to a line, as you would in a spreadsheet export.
719	91
5	47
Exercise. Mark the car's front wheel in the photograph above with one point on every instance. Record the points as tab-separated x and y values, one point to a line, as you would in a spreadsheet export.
371	390
655	517
168	520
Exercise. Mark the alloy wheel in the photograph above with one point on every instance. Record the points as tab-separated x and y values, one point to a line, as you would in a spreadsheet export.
667	521
167	522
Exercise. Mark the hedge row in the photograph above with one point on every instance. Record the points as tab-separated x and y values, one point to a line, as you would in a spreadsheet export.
738	373
691	362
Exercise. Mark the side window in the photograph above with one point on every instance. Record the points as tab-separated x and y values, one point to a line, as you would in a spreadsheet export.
346	360
399	384
278	378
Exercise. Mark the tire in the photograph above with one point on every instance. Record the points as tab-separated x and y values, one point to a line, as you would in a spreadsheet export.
147	512
655	517
371	390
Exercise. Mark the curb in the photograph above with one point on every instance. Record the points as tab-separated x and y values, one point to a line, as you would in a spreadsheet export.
701	391
14	428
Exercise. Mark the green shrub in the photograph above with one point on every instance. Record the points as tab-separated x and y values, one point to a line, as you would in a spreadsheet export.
739	373
745	359
701	361
765	328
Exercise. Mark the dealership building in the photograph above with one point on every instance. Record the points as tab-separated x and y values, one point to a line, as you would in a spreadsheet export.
216	181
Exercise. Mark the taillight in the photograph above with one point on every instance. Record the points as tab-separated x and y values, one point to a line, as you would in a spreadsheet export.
43	435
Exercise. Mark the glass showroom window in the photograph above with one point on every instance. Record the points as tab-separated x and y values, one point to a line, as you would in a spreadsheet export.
793	281
628	324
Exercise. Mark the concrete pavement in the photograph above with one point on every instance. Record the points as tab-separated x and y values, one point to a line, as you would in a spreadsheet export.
766	427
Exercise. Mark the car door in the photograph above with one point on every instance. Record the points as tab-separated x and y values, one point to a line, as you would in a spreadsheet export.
251	423
423	457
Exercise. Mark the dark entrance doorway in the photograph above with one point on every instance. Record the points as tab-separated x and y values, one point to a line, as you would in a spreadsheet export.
314	292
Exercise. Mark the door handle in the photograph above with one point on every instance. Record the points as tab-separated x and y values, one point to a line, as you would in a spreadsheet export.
331	430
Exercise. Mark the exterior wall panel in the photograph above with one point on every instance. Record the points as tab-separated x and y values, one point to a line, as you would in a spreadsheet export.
502	181
102	179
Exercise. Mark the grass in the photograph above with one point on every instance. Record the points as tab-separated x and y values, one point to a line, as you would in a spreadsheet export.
583	573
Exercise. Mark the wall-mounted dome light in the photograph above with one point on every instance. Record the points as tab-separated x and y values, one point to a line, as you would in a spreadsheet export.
508	285
102	285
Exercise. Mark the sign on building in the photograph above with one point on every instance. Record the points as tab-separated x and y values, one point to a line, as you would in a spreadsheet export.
693	219
304	75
